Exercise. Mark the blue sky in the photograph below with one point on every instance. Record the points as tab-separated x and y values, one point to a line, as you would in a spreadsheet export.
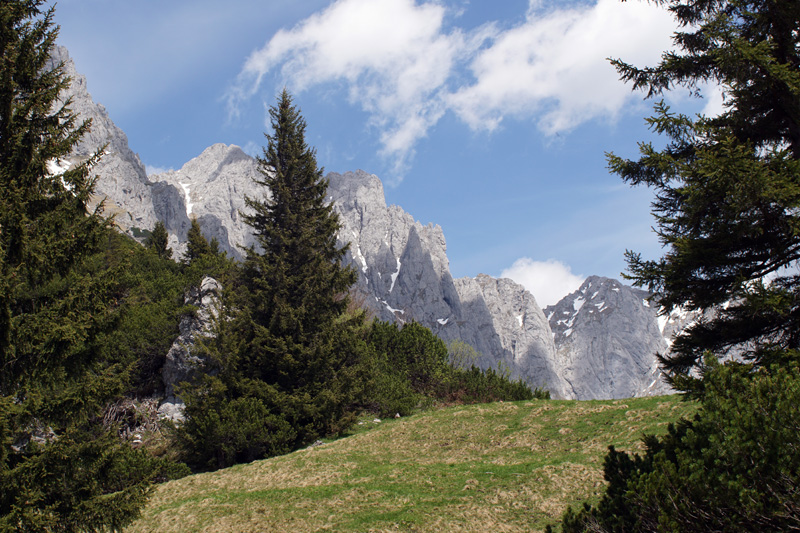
488	118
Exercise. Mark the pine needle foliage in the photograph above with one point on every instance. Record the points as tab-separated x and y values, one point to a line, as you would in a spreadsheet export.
59	469
287	352
197	245
158	241
727	206
727	188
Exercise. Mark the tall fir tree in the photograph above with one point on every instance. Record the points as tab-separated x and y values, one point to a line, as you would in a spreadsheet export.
289	351
197	245
728	187
59	469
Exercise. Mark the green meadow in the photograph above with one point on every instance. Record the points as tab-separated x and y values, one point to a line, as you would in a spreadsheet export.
511	466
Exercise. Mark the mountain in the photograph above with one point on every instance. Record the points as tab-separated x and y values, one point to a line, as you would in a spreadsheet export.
599	342
606	334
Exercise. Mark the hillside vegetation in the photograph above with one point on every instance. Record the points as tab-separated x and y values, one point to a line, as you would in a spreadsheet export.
511	466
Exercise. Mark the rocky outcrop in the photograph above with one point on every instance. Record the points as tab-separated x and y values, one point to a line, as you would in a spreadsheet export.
404	271
182	360
212	188
508	328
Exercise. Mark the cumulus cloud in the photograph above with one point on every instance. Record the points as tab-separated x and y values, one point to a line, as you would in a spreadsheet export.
554	66
393	55
401	64
549	281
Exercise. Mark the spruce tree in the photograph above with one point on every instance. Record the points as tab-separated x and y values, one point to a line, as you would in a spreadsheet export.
727	208
727	188
296	286
287	350
158	241
197	245
60	470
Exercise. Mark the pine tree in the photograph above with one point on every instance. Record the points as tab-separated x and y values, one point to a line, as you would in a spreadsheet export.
59	469
297	288
158	241
197	245
288	351
727	188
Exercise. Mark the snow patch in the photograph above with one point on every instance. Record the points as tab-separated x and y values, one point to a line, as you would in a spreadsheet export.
568	332
645	303
189	204
578	303
396	273
361	258
662	323
443	321
390	308
519	320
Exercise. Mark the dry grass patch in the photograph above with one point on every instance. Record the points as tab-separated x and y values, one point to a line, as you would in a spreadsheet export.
494	467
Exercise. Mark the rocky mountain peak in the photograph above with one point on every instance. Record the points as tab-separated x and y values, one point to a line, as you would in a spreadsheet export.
598	342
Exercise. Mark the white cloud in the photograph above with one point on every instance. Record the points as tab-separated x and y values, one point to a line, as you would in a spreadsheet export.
152	170
393	56
549	281
554	67
715	100
401	65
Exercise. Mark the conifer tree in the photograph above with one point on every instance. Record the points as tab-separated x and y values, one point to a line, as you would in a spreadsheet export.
59	469
158	241
296	285
197	245
288	352
727	188
728	211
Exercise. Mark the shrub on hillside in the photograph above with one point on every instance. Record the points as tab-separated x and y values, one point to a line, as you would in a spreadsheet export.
734	467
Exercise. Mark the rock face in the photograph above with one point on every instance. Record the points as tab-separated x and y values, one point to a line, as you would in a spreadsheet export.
599	342
405	275
181	362
212	188
122	183
607	335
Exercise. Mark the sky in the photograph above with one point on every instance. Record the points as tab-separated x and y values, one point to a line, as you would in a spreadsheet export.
490	119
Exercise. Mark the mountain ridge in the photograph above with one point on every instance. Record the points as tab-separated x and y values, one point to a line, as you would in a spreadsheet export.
402	265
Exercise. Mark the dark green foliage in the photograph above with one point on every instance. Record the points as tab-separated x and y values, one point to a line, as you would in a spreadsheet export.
158	241
727	188
413	352
286	351
411	366
59	470
150	296
475	385
220	431
727	207
734	467
197	245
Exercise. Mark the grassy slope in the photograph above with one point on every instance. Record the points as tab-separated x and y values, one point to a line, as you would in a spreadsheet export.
495	467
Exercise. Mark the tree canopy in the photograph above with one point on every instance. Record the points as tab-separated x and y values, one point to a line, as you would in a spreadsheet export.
727	208
727	188
59	469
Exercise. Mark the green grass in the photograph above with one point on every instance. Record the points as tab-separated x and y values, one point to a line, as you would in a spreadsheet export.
511	466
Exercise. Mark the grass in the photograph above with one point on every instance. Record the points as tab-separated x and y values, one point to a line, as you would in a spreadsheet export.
499	467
